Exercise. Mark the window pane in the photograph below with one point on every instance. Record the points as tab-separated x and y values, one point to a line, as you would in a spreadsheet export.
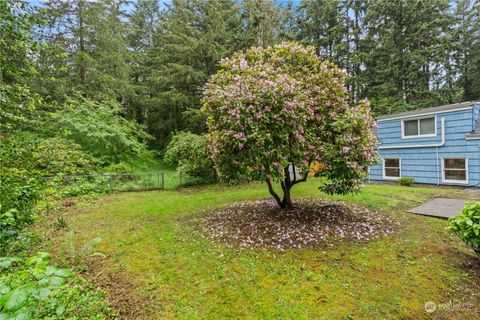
427	126
392	172
460	175
411	127
392	163
454	163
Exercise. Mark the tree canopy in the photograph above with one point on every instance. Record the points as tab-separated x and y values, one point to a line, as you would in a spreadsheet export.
283	107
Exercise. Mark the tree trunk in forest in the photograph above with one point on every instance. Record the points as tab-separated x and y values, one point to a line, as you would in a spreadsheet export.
82	41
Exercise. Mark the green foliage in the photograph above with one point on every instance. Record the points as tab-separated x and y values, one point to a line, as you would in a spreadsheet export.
272	108
101	130
15	41
19	187
119	168
76	255
188	151
263	23
56	156
18	106
193	36
34	289
406	181
79	186
467	225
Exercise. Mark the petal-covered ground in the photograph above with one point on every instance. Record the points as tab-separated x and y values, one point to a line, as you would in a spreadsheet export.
311	223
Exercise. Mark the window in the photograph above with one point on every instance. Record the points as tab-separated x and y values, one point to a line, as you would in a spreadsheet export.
419	127
455	170
391	168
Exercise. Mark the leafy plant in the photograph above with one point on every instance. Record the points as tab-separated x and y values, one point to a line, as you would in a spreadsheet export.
467	225
56	156
406	181
189	152
101	130
61	223
19	187
34	289
122	171
75	255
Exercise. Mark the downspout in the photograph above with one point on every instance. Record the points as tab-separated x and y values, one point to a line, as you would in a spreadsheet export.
438	167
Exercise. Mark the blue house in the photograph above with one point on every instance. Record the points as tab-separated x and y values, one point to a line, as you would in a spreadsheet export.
439	145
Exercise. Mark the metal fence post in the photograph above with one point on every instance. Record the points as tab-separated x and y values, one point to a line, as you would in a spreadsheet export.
110	183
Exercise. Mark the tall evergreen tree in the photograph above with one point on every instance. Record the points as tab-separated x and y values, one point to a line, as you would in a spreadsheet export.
324	24
192	36
85	46
404	52
466	37
262	20
141	29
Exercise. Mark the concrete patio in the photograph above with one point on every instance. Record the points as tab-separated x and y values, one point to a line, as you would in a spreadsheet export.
440	207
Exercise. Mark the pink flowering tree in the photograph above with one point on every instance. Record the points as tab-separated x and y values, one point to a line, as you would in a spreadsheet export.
272	112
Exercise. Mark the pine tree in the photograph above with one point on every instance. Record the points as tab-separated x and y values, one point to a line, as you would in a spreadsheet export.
85	46
141	29
324	24
263	23
466	37
191	38
404	52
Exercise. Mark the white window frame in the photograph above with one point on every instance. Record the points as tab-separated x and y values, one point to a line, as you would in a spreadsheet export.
434	134
455	181
399	169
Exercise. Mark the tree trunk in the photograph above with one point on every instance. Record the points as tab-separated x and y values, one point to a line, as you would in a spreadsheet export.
286	184
287	199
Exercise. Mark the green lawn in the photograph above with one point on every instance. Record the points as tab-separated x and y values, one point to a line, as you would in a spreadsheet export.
159	265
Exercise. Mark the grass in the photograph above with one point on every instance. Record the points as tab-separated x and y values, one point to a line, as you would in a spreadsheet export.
154	249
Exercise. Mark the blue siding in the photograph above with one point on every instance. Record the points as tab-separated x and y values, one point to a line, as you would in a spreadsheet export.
425	163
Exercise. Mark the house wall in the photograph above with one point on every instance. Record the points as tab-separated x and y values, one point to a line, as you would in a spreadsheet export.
425	163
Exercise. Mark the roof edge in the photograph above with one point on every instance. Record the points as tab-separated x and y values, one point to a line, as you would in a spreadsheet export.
427	111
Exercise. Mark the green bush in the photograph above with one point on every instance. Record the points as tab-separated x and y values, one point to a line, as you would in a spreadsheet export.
57	156
467	225
122	171
189	153
33	289
406	181
99	184
119	168
98	126
19	188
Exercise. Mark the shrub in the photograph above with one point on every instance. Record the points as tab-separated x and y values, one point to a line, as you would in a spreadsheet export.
270	109
467	225
188	151
33	289
57	156
406	181
120	168
101	130
19	188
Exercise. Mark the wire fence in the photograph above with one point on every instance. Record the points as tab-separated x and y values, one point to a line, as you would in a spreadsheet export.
74	185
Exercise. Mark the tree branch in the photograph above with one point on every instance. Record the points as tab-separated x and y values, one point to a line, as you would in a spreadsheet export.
304	177
272	192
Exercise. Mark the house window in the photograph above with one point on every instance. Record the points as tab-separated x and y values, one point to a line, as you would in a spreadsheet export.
455	170
391	168
419	127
